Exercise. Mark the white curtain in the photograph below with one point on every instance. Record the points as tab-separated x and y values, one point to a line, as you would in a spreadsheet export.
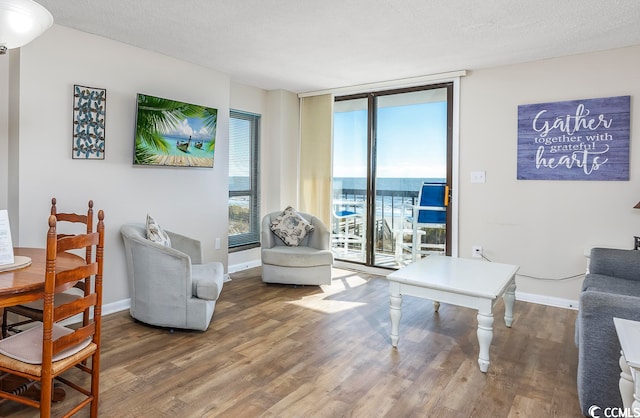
316	127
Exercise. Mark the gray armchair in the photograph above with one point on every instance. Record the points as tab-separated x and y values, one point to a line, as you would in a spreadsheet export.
169	286
611	289
307	264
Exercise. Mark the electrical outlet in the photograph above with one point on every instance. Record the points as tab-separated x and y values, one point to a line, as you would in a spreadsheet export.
476	251
478	177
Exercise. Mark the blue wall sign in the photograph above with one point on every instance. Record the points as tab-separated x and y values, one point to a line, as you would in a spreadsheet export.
574	140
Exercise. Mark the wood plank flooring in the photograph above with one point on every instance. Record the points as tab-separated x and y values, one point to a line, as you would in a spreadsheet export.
285	351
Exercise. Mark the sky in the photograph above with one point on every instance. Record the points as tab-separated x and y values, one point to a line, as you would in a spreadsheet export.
411	141
191	127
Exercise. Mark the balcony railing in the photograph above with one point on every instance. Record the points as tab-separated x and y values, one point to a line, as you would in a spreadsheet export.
390	211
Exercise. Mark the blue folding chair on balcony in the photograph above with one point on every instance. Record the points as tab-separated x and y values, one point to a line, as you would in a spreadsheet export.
430	213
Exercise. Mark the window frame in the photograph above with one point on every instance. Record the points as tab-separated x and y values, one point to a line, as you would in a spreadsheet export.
372	124
239	242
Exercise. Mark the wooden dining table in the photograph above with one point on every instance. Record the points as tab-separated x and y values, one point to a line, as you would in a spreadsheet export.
26	284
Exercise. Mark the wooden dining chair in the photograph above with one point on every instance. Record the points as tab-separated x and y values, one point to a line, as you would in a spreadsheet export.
43	353
32	311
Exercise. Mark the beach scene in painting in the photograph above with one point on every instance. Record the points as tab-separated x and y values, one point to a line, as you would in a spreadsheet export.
173	133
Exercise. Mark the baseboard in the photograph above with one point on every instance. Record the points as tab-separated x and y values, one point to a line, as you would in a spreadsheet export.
547	300
113	307
244	266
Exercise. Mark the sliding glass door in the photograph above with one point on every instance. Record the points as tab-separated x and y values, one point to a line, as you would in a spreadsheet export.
350	174
387	145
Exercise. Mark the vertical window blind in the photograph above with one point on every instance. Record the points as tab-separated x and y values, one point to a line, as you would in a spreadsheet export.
244	195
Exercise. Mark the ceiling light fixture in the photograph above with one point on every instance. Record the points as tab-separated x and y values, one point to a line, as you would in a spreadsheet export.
21	21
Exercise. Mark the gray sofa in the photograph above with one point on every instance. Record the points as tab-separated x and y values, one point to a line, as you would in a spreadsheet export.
610	289
170	286
307	264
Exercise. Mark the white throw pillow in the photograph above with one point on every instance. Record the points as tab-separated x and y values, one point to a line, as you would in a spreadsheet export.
290	227
155	233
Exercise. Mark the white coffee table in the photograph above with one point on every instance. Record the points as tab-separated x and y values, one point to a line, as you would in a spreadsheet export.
464	282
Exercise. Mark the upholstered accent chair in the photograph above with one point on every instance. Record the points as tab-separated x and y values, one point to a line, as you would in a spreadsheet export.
169	285
308	263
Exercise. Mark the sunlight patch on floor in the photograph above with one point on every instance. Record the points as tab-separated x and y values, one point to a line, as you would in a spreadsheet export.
344	279
341	280
326	306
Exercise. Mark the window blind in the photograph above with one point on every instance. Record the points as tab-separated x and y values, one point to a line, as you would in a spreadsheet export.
244	201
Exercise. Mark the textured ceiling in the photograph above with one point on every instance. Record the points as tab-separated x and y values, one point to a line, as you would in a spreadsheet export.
306	45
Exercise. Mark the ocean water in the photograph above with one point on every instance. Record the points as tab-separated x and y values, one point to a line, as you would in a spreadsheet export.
386	184
192	151
393	193
355	183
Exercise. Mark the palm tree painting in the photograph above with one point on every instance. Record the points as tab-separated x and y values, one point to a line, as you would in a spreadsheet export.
173	133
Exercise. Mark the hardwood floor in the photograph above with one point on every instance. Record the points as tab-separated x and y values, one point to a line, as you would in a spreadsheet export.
284	351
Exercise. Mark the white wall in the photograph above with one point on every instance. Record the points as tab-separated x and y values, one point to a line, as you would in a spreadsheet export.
281	155
192	201
9	129
543	226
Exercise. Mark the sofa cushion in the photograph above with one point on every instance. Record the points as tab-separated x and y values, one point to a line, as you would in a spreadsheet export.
624	264
290	227
296	256
155	233
207	280
608	284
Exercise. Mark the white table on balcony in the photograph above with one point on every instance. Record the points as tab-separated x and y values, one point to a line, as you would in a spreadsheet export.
463	282
342	218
